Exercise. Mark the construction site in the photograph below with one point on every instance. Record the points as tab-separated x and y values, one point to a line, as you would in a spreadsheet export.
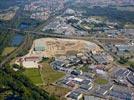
52	47
55	47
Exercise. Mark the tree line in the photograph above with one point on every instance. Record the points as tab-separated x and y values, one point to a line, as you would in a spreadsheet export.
20	87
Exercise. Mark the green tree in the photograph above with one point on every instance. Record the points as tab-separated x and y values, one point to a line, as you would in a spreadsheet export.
132	65
123	60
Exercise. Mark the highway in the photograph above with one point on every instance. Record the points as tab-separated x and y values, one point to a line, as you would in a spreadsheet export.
87	37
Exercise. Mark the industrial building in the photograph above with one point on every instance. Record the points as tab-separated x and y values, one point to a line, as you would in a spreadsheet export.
39	45
74	95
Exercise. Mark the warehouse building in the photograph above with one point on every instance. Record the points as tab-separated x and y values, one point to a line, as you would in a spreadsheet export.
74	95
39	45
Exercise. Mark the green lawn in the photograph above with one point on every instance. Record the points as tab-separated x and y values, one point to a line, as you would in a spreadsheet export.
49	75
33	75
101	81
8	50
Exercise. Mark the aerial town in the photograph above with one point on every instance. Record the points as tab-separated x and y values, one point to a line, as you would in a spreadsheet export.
67	50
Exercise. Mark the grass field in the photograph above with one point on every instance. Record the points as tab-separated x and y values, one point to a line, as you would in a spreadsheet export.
33	75
58	91
101	81
47	77
8	50
48	74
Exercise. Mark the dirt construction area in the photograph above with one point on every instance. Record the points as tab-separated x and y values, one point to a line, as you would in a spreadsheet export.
50	47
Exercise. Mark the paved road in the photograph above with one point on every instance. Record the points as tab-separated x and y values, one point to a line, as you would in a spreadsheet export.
87	37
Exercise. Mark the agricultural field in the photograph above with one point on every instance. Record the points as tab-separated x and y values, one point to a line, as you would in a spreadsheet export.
33	75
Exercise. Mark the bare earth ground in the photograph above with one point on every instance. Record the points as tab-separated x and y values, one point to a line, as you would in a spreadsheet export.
62	46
